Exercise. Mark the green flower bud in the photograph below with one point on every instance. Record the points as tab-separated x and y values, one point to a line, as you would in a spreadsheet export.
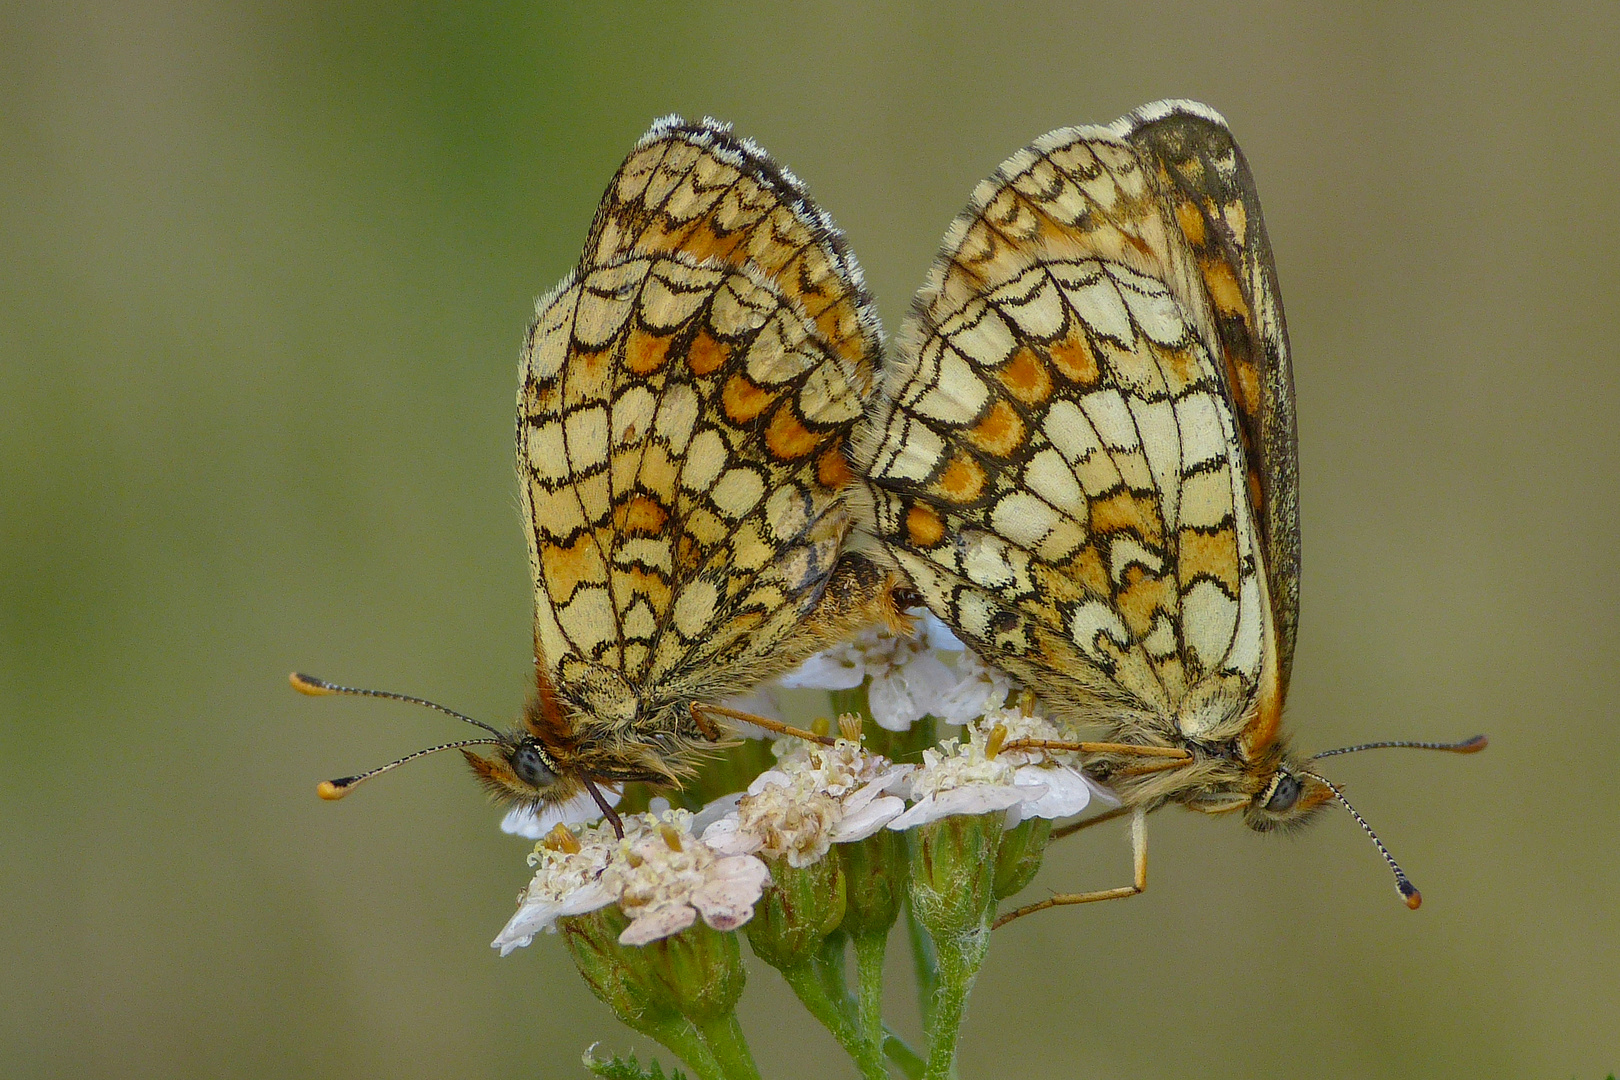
797	912
617	974
874	881
953	869
1019	857
697	973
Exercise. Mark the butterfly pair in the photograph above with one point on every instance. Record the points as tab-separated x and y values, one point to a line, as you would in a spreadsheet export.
1080	454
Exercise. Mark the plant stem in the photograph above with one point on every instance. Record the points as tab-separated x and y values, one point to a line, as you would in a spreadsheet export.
902	1056
681	1039
724	1039
924	962
959	961
811	987
829	962
869	949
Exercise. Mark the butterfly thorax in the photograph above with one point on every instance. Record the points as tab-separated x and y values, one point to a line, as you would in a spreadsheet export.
1240	759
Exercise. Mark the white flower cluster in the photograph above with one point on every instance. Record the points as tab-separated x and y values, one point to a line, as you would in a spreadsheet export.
664	876
661	876
974	776
816	796
908	681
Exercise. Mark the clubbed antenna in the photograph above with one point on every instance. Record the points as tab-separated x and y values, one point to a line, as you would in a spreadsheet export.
333	790
1467	746
336	789
1403	884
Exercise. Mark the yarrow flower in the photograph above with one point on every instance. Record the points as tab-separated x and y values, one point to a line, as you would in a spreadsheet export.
978	687
532	822
816	796
973	776
661	876
908	680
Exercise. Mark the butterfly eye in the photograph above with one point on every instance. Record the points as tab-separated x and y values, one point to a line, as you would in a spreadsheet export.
1284	793
532	767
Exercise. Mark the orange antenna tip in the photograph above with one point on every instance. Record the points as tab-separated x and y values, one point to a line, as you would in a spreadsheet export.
1414	899
309	684
333	790
1474	745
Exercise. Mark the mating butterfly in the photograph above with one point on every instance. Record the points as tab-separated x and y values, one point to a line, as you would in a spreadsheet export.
687	394
1083	457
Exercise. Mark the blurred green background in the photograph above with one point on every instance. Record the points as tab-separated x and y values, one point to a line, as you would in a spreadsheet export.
263	274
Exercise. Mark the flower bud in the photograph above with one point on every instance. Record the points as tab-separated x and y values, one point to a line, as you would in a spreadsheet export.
1018	859
697	973
798	910
953	869
617	974
874	881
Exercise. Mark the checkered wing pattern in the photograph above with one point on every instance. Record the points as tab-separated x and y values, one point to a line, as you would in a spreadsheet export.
699	190
685	402
1057	460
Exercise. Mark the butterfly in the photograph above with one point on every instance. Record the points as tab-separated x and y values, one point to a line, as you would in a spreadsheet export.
1083	457
685	402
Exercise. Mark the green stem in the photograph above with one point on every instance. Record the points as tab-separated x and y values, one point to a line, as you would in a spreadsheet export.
829	962
810	985
869	949
924	962
681	1039
902	1056
959	961
724	1039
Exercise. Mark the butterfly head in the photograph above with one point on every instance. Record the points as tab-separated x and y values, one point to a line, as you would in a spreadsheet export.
520	769
1288	799
523	771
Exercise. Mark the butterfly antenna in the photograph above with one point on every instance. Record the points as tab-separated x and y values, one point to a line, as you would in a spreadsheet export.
336	789
1467	746
1404	884
309	684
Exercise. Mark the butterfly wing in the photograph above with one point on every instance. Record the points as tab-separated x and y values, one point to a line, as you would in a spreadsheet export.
1055	459
698	189
682	421
1207	178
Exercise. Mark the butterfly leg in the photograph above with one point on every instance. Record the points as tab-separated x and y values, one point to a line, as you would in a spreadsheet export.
1138	884
1070	830
1100	748
702	716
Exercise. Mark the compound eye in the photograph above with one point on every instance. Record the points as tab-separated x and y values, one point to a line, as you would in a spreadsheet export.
1284	793
530	765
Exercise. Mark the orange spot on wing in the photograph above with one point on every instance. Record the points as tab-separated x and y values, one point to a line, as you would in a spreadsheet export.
705	355
643	516
963	479
1026	377
743	400
1224	291
1125	512
565	568
1000	432
1214	554
1090	570
1074	358
787	437
1245	382
1143	597
645	353
1191	221
629	581
923	526
832	470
